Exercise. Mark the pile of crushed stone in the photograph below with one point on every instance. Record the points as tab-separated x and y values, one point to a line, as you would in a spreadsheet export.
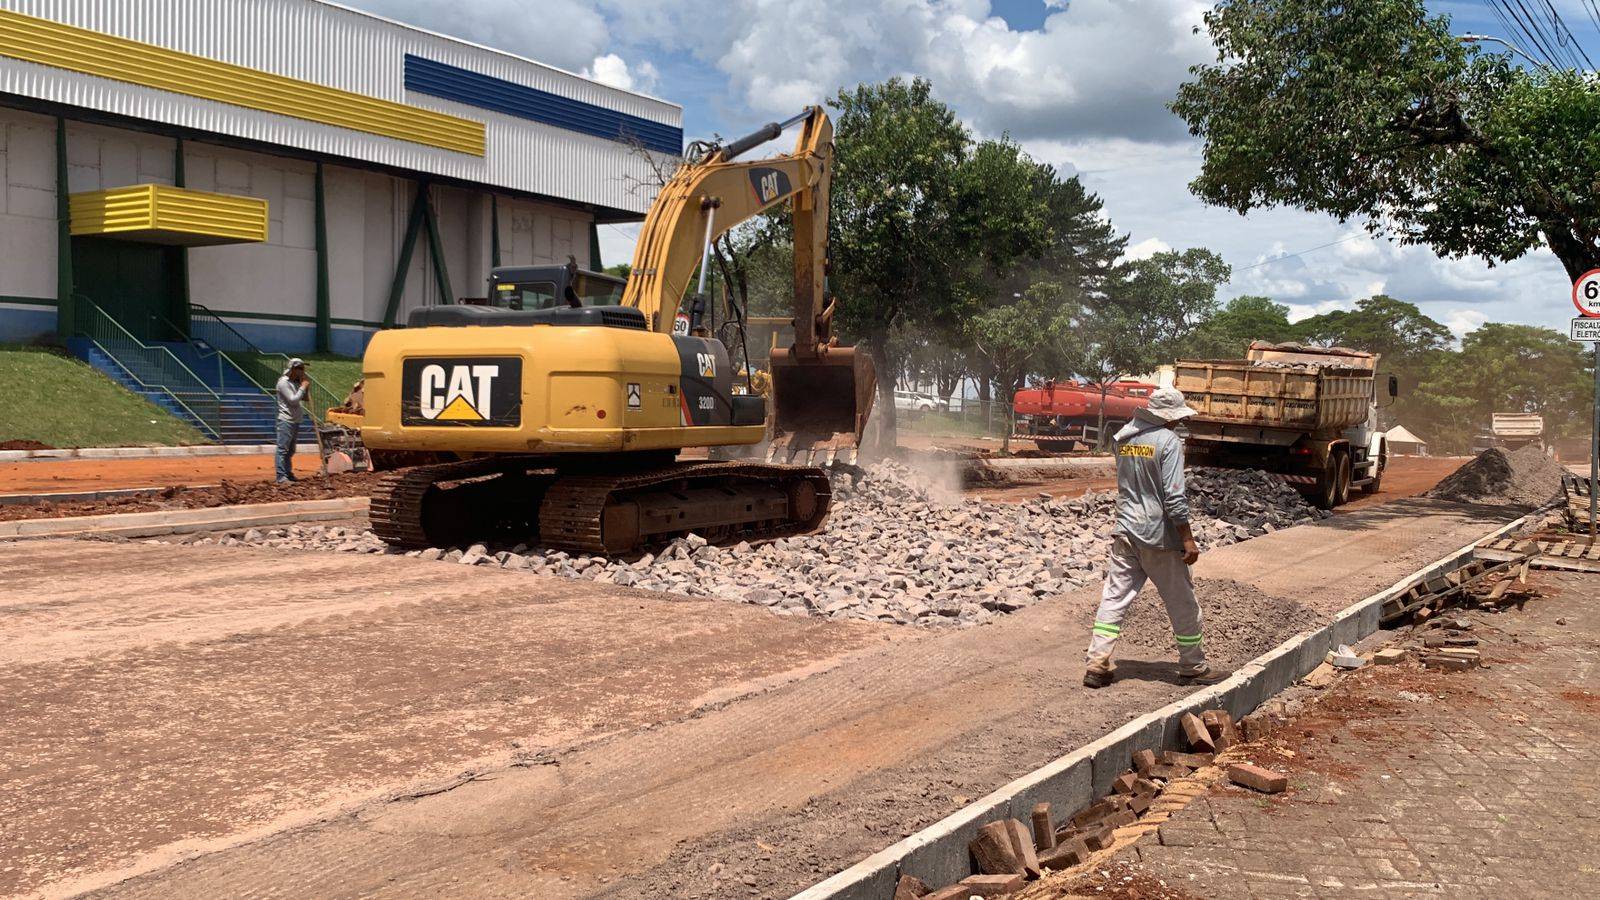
896	548
1525	477
1240	622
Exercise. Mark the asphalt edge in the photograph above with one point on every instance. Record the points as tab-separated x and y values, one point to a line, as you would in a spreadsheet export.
147	452
184	521
938	853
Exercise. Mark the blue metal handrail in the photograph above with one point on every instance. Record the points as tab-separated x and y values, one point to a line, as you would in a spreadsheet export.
204	322
155	369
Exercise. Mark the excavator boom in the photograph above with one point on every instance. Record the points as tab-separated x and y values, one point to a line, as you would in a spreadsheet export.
822	393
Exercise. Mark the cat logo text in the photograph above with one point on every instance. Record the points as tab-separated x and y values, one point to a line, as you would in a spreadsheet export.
462	392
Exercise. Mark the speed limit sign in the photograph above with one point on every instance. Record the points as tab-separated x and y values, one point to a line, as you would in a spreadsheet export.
1586	293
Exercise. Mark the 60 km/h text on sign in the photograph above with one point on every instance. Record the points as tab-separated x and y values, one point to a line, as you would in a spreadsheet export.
1586	293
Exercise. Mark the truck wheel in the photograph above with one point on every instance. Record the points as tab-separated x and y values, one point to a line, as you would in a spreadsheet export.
1326	495
1343	471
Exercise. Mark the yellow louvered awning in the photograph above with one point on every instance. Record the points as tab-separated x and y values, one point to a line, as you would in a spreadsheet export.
162	214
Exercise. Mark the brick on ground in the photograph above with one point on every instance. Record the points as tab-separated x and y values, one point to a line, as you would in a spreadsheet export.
1187	760
1143	760
1195	731
909	887
1064	854
991	885
1224	731
1044	830
1124	783
1389	656
1257	778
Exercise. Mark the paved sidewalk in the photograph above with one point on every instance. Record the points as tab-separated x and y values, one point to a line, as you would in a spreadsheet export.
1405	782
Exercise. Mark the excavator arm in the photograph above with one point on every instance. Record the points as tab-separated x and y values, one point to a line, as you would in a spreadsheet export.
822	393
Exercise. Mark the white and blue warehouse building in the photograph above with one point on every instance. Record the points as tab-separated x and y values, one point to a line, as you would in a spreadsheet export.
287	175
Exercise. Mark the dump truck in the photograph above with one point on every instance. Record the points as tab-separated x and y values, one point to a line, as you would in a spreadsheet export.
1306	413
1513	431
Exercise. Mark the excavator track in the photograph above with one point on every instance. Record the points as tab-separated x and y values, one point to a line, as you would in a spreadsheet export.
399	509
460	502
574	513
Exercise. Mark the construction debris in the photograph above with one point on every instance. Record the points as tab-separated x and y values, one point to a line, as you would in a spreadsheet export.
895	549
1345	658
1389	656
1524	477
1258	779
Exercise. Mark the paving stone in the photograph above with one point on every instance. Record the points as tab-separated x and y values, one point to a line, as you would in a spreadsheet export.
1399	805
897	548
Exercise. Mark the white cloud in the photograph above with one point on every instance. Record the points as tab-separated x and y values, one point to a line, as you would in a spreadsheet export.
611	69
1298	311
1462	322
1146	248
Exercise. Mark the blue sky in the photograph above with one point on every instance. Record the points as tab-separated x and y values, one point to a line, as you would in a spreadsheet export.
1080	85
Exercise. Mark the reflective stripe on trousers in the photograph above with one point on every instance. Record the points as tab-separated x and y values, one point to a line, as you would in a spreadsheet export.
1129	565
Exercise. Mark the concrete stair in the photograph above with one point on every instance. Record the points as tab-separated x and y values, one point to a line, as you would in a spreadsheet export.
244	414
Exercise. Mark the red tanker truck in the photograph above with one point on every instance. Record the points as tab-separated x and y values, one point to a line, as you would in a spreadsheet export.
1061	414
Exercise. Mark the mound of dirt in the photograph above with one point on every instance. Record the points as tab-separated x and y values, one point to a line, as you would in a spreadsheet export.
1525	477
24	445
1240	622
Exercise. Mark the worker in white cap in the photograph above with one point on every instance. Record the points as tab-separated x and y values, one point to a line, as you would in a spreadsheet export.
293	386
1152	539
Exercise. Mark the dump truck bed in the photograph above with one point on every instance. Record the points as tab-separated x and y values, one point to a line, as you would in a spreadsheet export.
1281	386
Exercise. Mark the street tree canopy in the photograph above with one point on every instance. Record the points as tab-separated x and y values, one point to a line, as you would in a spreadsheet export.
1374	110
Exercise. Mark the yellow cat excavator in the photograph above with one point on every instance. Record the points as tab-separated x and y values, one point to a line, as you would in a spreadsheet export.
561	412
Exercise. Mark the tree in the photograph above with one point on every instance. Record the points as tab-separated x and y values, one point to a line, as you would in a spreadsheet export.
1395	329
1149	314
1374	110
918	213
1503	368
1020	338
1228	333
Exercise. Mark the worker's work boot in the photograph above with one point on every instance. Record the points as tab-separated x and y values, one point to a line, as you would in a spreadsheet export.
1099	673
1200	673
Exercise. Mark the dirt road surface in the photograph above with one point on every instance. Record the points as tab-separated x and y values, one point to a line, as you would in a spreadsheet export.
208	721
57	476
161	700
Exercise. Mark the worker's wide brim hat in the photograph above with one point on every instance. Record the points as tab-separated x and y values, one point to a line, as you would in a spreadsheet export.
1166	405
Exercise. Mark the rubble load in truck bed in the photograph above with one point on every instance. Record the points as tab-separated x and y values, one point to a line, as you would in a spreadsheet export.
892	550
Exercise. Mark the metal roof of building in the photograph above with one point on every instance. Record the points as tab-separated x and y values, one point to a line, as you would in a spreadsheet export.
325	79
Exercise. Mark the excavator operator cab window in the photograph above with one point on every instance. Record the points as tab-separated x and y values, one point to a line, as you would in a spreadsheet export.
596	291
527	295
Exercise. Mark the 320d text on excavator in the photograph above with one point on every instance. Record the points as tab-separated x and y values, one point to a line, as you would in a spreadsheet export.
556	413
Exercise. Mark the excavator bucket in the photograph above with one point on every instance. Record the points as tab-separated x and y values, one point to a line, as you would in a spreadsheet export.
820	405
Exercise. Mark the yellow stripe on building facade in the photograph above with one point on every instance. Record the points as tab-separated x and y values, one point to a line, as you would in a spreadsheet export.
88	52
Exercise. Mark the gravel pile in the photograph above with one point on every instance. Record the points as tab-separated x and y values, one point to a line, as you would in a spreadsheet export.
1525	477
895	549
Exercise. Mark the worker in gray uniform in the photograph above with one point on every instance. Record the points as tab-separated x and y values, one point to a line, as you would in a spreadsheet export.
1152	539
292	388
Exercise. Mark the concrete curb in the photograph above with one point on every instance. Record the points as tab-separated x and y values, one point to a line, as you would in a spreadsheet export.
147	452
938	854
184	521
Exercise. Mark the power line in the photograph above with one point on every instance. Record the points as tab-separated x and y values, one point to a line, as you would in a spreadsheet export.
1267	262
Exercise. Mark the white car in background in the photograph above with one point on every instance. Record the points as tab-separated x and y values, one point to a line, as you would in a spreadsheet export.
917	401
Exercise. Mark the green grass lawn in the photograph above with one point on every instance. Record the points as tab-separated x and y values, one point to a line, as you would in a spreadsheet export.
336	373
57	400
